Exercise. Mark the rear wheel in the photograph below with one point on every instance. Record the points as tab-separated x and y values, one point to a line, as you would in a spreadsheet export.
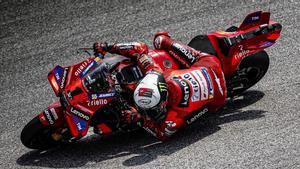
232	29
37	136
250	71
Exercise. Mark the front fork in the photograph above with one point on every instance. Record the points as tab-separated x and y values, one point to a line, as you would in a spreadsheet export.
53	116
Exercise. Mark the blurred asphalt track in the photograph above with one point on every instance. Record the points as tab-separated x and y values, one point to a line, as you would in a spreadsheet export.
259	130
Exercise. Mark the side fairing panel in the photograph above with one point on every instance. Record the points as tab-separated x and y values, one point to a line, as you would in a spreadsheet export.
57	78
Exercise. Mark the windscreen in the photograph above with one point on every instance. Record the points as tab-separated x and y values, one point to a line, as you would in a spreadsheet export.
96	80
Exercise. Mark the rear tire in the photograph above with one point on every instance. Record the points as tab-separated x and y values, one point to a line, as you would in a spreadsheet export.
232	29
37	136
250	71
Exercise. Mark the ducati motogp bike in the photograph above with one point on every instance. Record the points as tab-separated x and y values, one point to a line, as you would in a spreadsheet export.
79	107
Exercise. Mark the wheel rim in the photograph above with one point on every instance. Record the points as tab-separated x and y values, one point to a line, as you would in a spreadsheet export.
253	73
245	78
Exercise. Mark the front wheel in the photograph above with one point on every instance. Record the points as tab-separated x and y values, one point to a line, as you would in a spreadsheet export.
250	71
37	136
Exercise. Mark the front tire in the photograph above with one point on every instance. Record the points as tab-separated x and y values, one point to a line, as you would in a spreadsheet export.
37	136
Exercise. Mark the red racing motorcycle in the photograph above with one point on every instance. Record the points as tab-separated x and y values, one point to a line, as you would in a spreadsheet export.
240	49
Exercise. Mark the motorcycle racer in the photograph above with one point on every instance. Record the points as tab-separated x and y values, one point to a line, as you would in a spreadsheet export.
167	101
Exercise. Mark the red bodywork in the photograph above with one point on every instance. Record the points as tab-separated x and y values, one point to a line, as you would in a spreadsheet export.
267	32
77	114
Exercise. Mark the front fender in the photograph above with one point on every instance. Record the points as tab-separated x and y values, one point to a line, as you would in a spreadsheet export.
53	115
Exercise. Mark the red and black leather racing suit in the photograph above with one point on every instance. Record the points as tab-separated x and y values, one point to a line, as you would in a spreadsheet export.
196	89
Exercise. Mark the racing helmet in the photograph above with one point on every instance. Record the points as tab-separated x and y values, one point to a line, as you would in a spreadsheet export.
151	96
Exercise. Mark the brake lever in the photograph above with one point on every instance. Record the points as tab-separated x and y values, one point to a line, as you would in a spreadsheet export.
87	50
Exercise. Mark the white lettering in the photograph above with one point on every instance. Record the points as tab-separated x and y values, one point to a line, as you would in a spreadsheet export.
195	86
185	52
209	83
255	18
197	116
79	126
242	53
81	67
79	114
54	113
97	102
62	83
203	84
57	76
49	117
186	91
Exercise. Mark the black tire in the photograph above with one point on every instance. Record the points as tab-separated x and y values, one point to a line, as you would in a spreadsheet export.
250	71
37	136
232	29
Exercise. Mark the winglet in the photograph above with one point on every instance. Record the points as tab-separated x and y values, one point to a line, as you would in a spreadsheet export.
255	19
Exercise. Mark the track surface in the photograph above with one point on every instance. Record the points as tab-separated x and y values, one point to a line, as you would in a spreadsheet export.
259	130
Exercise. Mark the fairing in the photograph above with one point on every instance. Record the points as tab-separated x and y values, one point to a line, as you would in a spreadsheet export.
255	34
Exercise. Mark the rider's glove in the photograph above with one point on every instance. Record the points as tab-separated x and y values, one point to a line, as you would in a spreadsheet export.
100	48
131	116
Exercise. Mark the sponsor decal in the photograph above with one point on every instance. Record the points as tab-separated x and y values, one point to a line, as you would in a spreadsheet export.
144	101
81	68
218	82
49	117
196	115
65	101
255	18
57	76
63	78
69	95
118	87
266	44
242	53
137	72
79	114
195	86
180	59
185	90
60	75
88	68
81	124
98	59
157	42
184	52
54	114
169	132
170	124
170	128
209	82
58	72
102	95
203	84
145	60
162	87
126	46
97	102
146	92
